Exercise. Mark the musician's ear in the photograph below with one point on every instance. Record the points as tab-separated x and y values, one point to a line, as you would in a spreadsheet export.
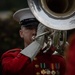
21	33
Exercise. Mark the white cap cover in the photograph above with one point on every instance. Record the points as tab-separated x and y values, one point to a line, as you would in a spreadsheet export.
22	14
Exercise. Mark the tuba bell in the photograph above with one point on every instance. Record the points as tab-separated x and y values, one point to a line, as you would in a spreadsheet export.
55	14
58	16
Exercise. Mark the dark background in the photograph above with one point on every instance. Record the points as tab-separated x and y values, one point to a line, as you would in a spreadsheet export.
9	29
12	4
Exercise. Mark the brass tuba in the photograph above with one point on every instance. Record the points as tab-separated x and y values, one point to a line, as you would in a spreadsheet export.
55	14
58	15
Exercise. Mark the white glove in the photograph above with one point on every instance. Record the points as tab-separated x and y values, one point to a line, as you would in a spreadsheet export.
40	30
32	50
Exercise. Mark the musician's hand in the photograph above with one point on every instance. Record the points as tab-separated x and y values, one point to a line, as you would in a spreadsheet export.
40	30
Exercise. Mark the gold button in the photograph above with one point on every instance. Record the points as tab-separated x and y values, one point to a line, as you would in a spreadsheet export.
35	58
38	73
37	66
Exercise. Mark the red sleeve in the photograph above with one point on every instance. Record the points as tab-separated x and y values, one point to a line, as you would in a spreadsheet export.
14	61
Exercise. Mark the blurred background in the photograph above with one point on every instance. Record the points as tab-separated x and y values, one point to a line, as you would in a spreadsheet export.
9	29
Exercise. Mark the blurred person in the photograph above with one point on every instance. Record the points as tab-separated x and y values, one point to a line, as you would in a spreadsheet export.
70	54
31	60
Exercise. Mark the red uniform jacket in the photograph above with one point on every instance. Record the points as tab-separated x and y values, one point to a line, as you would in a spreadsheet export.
14	63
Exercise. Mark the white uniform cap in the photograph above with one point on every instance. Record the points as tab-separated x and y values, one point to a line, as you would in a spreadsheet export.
22	14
